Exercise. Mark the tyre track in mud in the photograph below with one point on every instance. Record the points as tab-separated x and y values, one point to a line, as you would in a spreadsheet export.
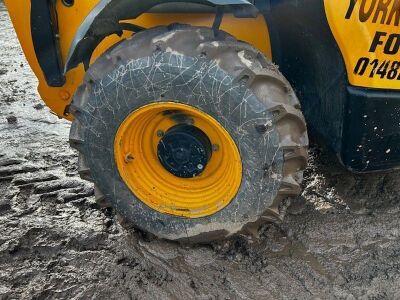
340	240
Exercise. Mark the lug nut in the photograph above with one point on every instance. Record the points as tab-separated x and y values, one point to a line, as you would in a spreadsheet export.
128	158
160	133
189	121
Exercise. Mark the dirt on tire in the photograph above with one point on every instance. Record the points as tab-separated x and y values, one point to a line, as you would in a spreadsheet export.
340	240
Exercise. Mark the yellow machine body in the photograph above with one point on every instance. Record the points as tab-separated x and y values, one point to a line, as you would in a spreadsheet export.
70	18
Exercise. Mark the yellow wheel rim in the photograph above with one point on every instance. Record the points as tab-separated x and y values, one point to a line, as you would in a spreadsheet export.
135	148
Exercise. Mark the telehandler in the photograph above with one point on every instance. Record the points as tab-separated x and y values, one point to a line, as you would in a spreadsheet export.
183	119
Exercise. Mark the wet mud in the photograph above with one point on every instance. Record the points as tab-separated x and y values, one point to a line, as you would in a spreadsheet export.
340	240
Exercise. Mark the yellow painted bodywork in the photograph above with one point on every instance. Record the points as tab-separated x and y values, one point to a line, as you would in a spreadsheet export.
253	31
355	35
135	151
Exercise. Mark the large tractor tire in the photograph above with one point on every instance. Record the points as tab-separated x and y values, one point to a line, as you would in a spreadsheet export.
189	135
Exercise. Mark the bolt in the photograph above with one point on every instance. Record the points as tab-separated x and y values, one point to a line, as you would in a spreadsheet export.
128	158
64	95
200	167
215	147
160	133
189	121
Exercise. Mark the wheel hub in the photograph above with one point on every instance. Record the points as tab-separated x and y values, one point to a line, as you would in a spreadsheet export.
184	151
161	150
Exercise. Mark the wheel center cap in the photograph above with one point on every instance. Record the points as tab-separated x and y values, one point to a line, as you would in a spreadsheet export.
184	151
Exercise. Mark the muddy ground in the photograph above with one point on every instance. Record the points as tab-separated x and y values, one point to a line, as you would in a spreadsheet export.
340	239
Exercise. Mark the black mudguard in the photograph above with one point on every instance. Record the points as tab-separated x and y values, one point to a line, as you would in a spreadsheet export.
105	18
44	31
